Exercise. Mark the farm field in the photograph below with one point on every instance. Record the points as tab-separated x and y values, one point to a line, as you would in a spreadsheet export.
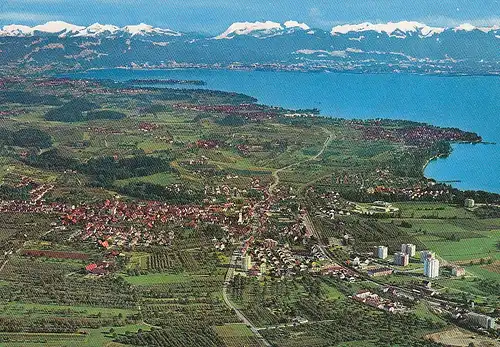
93	337
417	210
457	240
459	337
466	249
157	279
236	335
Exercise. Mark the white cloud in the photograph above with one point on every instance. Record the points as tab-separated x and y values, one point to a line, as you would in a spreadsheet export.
317	19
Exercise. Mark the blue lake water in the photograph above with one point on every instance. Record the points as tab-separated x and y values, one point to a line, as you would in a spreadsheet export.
467	102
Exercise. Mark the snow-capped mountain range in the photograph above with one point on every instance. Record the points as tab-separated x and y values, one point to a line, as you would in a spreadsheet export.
261	29
380	47
399	29
255	29
63	29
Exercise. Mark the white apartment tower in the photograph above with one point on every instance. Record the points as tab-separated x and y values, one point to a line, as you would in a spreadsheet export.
431	267
247	263
382	252
409	249
425	255
401	259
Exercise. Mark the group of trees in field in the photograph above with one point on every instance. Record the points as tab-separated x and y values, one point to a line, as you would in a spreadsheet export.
42	282
491	286
79	110
52	160
157	108
49	324
232	120
102	170
213	230
487	212
349	324
28	98
339	320
8	192
25	137
105	170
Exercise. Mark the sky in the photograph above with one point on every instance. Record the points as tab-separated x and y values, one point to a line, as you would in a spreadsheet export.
214	16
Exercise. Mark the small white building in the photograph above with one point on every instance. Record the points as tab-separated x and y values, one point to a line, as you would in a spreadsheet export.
469	203
457	271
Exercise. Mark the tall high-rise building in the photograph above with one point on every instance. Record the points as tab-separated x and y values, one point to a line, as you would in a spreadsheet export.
401	259
431	267
409	249
425	255
246	262
382	252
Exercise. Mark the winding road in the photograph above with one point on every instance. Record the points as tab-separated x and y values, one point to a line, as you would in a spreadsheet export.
277	172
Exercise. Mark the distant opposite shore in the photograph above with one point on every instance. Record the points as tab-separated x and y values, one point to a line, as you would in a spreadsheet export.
166	82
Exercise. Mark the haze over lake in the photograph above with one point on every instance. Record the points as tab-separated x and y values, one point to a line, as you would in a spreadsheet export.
470	103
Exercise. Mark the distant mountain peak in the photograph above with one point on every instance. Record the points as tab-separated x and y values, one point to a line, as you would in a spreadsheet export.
470	27
16	30
53	27
404	28
146	29
143	29
57	27
98	29
260	29
397	29
295	24
465	27
246	28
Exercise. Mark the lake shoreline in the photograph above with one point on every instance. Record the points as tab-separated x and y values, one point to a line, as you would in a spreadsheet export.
440	162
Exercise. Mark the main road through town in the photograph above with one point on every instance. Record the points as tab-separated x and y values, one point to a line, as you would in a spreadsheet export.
232	264
241	316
